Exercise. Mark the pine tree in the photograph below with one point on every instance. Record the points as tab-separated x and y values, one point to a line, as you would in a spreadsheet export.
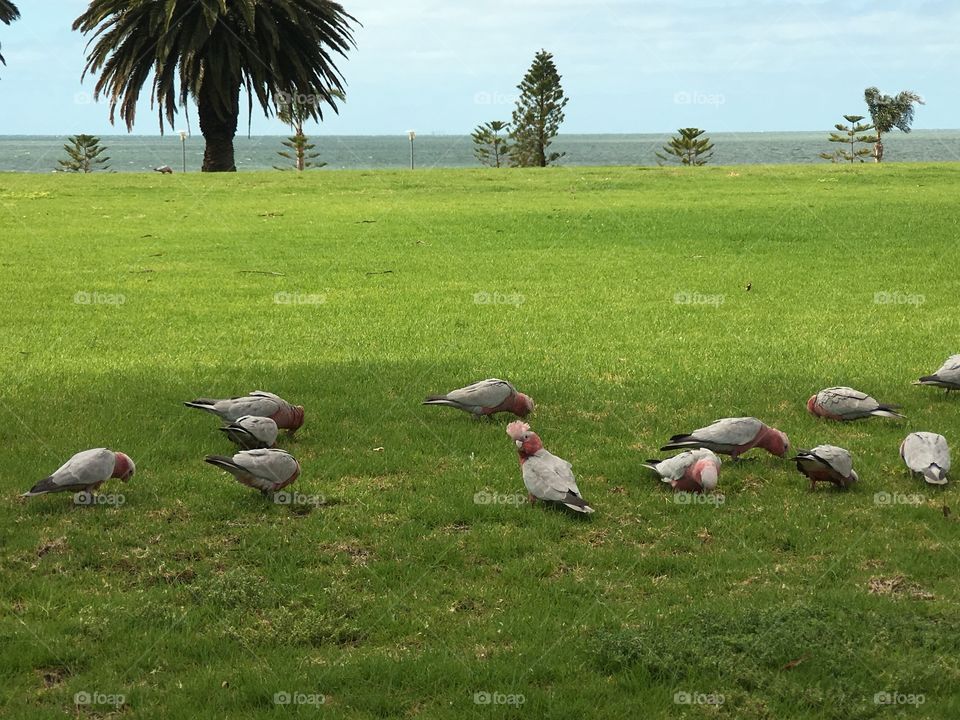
295	109
852	135
490	147
538	114
688	148
888	113
84	155
300	153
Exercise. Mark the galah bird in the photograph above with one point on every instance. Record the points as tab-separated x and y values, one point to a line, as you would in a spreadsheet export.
948	376
733	437
259	403
843	403
251	432
545	476
266	470
827	463
85	472
928	454
693	471
486	397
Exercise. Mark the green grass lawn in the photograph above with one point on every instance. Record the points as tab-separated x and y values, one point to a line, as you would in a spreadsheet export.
401	596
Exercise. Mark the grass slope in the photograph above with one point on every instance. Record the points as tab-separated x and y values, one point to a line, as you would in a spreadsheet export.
402	596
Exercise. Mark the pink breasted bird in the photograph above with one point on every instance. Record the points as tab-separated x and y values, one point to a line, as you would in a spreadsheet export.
827	463
545	476
948	376
251	432
259	403
928	454
845	403
733	437
85	472
695	471
266	470
484	398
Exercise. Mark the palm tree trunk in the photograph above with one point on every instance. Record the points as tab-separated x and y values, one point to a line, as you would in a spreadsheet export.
219	128
878	149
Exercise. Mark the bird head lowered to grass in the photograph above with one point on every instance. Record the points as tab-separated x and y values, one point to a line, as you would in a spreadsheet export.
733	437
695	471
845	403
546	476
947	377
827	463
485	398
85	472
927	454
259	403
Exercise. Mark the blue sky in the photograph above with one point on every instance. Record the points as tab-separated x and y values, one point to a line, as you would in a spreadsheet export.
443	66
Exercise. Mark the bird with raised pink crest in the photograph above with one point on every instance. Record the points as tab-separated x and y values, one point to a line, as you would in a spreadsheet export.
546	476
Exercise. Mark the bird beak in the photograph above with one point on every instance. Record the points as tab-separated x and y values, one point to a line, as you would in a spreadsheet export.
519	444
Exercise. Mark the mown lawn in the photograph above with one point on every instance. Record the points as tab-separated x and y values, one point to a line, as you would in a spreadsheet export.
402	595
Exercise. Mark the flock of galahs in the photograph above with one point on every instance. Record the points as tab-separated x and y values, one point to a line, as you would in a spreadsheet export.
253	422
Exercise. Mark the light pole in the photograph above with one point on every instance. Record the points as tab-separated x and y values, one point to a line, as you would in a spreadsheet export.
413	136
183	147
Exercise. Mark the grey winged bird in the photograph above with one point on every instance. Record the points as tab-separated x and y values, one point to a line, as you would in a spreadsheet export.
260	403
546	476
250	432
485	398
85	472
827	463
733	437
948	376
928	454
266	470
694	471
845	403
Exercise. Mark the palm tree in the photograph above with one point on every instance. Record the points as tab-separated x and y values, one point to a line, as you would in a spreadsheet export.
888	113
208	50
8	13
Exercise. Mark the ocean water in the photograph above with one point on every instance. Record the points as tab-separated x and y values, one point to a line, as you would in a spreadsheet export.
138	153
